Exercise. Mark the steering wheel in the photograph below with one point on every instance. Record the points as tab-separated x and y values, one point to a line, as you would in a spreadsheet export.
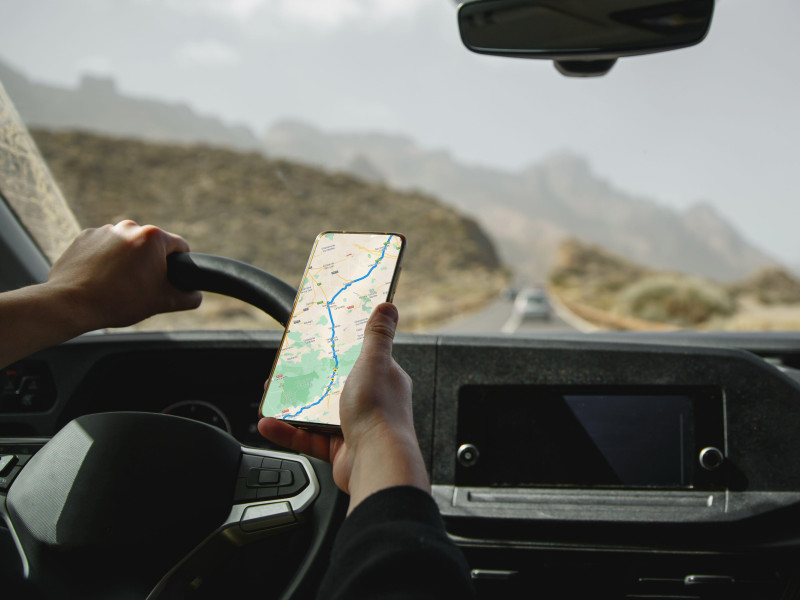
142	505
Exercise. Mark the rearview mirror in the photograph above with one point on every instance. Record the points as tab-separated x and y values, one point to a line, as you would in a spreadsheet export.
583	37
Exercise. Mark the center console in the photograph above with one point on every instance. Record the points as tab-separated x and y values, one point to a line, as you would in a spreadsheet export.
624	471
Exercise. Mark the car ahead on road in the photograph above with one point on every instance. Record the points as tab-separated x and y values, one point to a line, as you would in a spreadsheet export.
608	465
532	303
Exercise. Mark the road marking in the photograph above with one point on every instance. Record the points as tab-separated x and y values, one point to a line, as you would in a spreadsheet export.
513	323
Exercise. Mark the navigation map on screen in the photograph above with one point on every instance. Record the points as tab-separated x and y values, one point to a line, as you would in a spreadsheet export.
347	275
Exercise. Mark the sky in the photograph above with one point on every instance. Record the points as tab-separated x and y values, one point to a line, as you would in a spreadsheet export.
716	123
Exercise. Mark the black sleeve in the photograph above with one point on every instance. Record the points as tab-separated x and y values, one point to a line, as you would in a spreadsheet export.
394	545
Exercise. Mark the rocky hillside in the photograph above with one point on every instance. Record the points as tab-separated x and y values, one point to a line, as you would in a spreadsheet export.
267	213
612	292
530	212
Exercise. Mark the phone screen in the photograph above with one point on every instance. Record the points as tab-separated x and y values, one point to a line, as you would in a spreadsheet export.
347	275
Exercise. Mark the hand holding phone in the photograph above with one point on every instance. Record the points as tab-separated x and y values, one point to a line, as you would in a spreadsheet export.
378	447
347	275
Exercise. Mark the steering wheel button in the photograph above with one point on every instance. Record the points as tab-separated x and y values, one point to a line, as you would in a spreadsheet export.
263	478
266	516
286	478
269	477
270	463
267	493
295	467
249	461
298	481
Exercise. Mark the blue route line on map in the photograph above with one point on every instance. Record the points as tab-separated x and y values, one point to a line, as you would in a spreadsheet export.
333	331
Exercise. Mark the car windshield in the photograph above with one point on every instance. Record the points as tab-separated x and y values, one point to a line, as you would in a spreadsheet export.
659	196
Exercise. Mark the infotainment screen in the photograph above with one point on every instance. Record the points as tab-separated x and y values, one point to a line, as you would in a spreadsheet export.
578	436
631	440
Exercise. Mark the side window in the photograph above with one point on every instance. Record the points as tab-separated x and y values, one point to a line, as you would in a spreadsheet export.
35	222
29	188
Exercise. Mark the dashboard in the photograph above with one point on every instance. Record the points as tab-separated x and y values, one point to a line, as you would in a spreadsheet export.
647	465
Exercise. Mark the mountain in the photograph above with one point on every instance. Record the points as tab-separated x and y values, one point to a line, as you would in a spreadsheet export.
267	213
530	212
97	106
527	213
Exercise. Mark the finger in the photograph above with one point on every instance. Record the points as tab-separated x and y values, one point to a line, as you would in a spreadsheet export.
194	299
175	243
299	440
180	300
125	224
171	242
380	330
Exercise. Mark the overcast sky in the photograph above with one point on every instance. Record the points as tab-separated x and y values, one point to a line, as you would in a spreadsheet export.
719	122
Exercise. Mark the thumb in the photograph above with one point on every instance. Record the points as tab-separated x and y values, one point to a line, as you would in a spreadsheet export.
379	332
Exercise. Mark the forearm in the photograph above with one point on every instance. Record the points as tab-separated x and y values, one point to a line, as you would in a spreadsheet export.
390	459
395	546
38	316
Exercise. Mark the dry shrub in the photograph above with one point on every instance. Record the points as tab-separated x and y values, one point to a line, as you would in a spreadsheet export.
770	286
683	301
591	274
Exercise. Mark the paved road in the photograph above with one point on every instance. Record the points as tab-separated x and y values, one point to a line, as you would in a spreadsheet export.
499	317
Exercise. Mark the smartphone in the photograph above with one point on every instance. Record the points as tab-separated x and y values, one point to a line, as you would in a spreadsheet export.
347	275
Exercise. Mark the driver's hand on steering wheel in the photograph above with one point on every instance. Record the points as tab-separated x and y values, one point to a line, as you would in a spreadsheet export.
117	275
378	447
112	276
